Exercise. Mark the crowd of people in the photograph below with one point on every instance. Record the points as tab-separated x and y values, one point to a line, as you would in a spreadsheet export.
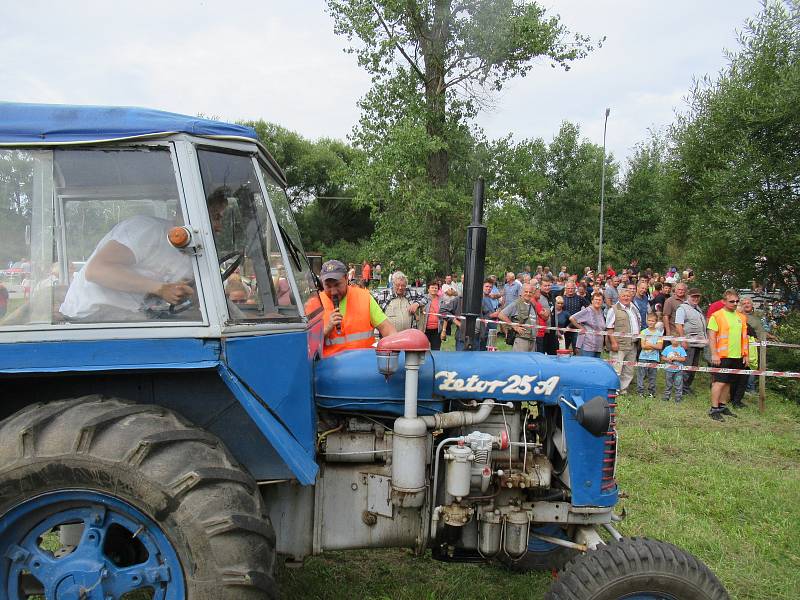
638	318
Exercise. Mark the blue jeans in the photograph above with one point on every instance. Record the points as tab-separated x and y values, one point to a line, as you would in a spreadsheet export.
673	381
646	377
592	354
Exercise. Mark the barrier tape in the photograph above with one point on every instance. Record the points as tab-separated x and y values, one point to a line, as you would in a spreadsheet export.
670	367
608	333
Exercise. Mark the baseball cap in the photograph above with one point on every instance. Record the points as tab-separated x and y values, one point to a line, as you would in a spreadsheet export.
333	269
695	292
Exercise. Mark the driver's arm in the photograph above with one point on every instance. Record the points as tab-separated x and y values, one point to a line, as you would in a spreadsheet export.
112	265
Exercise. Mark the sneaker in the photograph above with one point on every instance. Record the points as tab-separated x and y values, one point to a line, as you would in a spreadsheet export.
728	412
738	405
651	395
714	414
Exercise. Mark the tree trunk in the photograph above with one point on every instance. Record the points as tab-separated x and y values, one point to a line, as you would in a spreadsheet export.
433	47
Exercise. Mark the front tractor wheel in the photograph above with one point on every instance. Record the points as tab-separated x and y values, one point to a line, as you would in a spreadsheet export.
103	499
637	569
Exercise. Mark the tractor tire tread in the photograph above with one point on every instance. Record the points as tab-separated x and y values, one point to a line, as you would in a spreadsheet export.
611	570
191	481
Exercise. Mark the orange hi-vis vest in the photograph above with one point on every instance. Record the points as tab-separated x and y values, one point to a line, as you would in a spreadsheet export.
724	334
357	330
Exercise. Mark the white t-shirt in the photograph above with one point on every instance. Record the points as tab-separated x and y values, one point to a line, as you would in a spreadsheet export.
155	258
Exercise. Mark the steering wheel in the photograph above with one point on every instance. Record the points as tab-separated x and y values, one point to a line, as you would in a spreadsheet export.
239	257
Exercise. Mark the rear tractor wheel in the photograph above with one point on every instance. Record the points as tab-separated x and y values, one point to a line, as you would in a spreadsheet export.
104	499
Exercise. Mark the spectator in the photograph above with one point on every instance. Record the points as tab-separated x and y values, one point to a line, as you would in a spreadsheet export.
431	322
574	300
610	292
520	315
641	300
610	272
511	291
671	306
550	338
690	322
542	315
674	354
488	311
562	322
563	272
366	273
351	274
658	298
376	273
728	343
756	329
592	324
3	300
623	318
714	307
651	344
399	303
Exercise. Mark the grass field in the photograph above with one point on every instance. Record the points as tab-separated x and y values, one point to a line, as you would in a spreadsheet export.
726	492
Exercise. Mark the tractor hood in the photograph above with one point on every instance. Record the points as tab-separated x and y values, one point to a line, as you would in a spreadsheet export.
350	380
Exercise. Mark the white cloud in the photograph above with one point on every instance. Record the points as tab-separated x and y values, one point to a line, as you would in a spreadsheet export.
280	61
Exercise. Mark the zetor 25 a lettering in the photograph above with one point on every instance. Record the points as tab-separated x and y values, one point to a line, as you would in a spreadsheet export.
515	384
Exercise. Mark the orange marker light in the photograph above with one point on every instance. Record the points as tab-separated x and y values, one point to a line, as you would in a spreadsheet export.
179	237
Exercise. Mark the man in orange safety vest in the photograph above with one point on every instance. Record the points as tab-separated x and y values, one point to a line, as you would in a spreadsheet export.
729	345
351	313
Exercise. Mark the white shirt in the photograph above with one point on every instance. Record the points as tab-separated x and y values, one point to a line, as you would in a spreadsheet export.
154	258
633	317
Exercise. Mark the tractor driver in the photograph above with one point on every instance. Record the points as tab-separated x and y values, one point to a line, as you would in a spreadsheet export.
351	313
132	262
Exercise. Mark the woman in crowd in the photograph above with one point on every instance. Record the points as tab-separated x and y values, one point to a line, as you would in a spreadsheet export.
432	323
592	325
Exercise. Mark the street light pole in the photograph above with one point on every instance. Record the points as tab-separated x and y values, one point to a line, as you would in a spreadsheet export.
602	195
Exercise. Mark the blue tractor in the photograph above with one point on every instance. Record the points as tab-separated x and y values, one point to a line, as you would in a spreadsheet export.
168	428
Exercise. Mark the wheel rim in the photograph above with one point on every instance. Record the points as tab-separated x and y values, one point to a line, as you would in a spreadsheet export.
116	551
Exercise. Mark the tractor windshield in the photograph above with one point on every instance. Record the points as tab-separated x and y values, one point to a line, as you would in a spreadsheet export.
256	276
90	227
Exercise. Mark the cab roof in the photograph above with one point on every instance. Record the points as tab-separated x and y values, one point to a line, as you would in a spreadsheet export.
22	123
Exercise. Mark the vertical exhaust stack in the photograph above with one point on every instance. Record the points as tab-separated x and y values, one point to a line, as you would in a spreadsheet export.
474	264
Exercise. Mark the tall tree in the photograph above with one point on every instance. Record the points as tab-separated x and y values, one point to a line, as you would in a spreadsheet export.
436	62
737	156
638	215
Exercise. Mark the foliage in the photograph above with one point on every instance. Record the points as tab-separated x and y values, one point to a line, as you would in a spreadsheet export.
544	204
786	359
433	65
636	216
736	158
16	184
327	216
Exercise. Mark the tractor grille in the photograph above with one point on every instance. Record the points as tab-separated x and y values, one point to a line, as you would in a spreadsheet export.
608	481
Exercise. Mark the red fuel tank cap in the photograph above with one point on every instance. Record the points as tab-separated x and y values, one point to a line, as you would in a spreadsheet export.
410	340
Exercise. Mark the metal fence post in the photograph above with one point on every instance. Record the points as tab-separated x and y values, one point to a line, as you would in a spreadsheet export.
762	379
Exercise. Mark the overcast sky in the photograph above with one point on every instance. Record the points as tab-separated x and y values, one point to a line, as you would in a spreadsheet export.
279	60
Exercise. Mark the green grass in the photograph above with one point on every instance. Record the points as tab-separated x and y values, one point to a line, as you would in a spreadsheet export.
727	492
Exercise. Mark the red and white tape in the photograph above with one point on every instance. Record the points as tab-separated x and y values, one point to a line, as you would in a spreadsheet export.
609	333
672	367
